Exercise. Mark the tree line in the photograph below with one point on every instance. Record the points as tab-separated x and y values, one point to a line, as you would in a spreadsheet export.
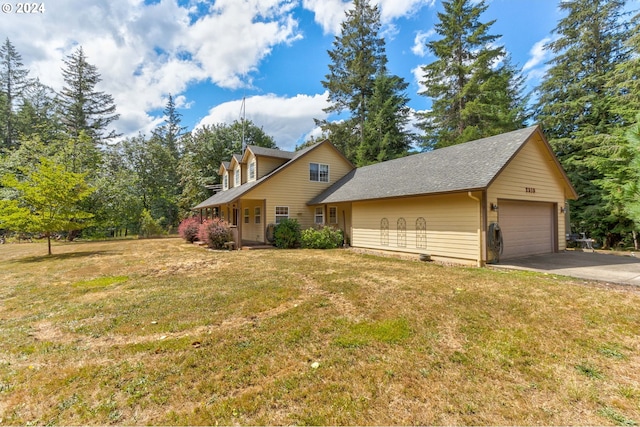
587	103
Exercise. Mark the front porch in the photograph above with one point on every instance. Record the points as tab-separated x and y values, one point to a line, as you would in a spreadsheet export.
247	220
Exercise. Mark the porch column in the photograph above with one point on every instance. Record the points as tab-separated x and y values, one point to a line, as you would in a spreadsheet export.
264	221
239	221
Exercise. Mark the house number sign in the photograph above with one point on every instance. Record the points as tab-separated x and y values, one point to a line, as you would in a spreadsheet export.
530	189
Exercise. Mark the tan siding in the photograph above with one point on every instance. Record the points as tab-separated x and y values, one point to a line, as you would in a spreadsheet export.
533	168
252	232
291	187
266	165
452	225
343	216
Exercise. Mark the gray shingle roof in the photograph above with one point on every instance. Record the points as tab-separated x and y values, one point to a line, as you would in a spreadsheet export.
271	152
463	167
234	193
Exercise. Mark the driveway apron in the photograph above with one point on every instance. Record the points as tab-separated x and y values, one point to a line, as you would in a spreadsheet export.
584	265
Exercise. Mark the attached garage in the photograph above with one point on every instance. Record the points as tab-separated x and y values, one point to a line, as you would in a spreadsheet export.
447	203
528	228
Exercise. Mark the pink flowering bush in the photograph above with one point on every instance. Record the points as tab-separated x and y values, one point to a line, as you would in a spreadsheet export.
188	229
215	233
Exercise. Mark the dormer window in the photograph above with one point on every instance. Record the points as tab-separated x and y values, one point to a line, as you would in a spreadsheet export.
318	172
225	181
236	178
252	170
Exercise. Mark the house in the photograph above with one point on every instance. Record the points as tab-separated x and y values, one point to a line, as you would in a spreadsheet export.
264	185
495	198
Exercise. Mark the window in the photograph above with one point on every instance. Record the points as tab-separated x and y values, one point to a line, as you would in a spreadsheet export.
236	179
319	216
421	233
246	215
402	233
225	181
333	215
252	170
384	232
257	215
282	212
318	172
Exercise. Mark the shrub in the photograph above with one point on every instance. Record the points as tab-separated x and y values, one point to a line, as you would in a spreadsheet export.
215	233
150	227
322	238
287	234
188	229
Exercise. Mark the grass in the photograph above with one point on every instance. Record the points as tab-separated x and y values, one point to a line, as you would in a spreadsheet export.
161	332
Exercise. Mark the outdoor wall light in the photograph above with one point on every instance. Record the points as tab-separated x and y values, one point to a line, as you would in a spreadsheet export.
562	210
494	206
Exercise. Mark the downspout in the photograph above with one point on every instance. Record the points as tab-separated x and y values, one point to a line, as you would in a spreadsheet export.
480	261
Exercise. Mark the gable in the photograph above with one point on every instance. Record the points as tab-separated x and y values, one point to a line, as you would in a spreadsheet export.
533	173
292	179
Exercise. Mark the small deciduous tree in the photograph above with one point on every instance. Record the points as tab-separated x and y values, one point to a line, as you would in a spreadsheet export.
48	200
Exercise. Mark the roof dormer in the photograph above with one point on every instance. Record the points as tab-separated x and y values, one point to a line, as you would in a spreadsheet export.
223	171
236	172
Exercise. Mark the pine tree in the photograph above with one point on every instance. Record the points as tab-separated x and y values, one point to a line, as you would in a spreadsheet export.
171	131
631	188
576	110
83	107
14	80
474	89
357	57
385	134
38	114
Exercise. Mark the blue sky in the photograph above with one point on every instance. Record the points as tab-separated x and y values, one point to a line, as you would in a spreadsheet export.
210	54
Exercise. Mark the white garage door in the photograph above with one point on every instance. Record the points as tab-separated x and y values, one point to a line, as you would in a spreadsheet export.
527	228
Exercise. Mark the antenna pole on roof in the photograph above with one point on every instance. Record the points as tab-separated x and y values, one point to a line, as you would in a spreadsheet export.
243	112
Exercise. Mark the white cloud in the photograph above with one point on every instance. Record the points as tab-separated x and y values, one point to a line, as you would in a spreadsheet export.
420	42
144	52
538	54
329	14
393	9
418	76
535	67
289	120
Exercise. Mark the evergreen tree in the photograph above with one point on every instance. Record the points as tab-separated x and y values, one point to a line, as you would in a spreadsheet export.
474	89
171	131
576	110
83	107
357	57
38	114
14	81
631	188
385	131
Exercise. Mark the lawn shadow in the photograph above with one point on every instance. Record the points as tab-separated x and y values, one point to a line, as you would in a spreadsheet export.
63	256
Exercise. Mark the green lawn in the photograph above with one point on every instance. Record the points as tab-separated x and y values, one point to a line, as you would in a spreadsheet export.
163	332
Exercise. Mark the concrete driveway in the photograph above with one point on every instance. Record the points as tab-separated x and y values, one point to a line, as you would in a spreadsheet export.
584	265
